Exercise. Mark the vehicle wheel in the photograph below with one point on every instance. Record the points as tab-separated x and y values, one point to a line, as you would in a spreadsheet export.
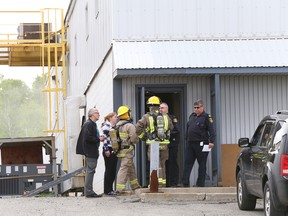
244	201
269	207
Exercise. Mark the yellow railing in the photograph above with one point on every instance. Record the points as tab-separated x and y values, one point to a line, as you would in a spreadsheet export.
37	38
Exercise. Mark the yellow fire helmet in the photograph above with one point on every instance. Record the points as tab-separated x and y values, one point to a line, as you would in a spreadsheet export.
154	100
123	110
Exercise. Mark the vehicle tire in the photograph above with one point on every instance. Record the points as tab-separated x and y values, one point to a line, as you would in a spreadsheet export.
268	202
245	202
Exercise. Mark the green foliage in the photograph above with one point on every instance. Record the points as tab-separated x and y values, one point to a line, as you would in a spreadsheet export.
21	108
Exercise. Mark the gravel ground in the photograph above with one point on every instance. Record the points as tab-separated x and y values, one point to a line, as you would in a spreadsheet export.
116	206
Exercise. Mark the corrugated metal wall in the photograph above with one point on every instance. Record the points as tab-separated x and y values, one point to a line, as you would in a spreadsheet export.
245	100
185	19
200	54
89	39
197	87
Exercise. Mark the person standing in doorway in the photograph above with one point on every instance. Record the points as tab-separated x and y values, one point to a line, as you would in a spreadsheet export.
172	168
88	144
148	128
199	132
109	155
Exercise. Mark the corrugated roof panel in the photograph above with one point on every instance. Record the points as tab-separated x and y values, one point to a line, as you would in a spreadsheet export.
200	54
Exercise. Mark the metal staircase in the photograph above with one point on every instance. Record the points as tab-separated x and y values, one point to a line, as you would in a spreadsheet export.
37	38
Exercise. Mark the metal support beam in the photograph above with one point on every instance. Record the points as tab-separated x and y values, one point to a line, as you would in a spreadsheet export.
218	123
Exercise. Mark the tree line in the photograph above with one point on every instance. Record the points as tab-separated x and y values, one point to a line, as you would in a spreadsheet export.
21	113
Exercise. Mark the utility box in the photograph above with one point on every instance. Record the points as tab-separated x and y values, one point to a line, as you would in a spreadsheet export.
22	153
22	169
33	30
18	179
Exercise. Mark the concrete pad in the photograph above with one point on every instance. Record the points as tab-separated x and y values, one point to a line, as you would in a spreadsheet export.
221	197
160	197
221	194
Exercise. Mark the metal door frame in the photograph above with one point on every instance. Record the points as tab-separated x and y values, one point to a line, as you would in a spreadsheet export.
140	111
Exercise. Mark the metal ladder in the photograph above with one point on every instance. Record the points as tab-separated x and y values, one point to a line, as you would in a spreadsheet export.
53	183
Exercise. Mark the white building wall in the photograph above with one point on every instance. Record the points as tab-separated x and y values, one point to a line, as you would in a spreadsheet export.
100	94
89	39
245	100
94	24
200	19
73	127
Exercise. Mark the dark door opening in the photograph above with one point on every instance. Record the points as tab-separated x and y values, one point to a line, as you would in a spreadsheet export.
174	97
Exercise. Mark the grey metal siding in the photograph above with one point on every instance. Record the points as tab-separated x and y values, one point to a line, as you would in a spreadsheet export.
197	87
186	19
200	54
245	100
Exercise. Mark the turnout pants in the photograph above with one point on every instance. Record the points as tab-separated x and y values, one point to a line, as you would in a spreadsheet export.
127	172
163	157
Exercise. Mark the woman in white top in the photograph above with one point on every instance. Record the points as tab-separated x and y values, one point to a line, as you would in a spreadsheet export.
108	154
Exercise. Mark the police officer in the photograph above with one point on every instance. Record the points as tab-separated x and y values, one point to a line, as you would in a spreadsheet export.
199	132
172	168
146	128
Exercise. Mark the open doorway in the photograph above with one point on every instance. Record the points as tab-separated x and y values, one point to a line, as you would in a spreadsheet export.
174	97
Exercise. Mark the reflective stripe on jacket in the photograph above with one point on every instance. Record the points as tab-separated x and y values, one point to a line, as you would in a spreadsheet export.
150	131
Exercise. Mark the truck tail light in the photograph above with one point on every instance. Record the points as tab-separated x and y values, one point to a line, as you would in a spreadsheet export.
284	165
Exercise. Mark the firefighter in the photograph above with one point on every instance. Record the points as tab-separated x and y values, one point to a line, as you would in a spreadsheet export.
149	129
127	138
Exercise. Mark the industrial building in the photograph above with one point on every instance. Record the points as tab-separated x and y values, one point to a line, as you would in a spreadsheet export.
231	54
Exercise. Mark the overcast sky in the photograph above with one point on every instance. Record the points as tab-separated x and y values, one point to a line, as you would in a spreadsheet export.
26	74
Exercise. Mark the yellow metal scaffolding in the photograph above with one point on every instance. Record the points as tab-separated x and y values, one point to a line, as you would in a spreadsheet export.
37	38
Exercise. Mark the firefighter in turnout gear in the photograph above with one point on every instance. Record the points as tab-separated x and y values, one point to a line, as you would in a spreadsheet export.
154	126
127	138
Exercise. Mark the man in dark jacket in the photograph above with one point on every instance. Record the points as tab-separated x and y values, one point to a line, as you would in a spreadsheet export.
200	137
172	168
88	144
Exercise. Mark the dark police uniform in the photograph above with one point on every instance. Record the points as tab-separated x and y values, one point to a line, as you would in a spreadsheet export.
172	168
199	129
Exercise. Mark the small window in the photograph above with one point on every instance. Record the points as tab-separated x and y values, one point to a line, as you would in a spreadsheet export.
267	135
75	49
96	8
256	139
280	135
263	134
87	21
